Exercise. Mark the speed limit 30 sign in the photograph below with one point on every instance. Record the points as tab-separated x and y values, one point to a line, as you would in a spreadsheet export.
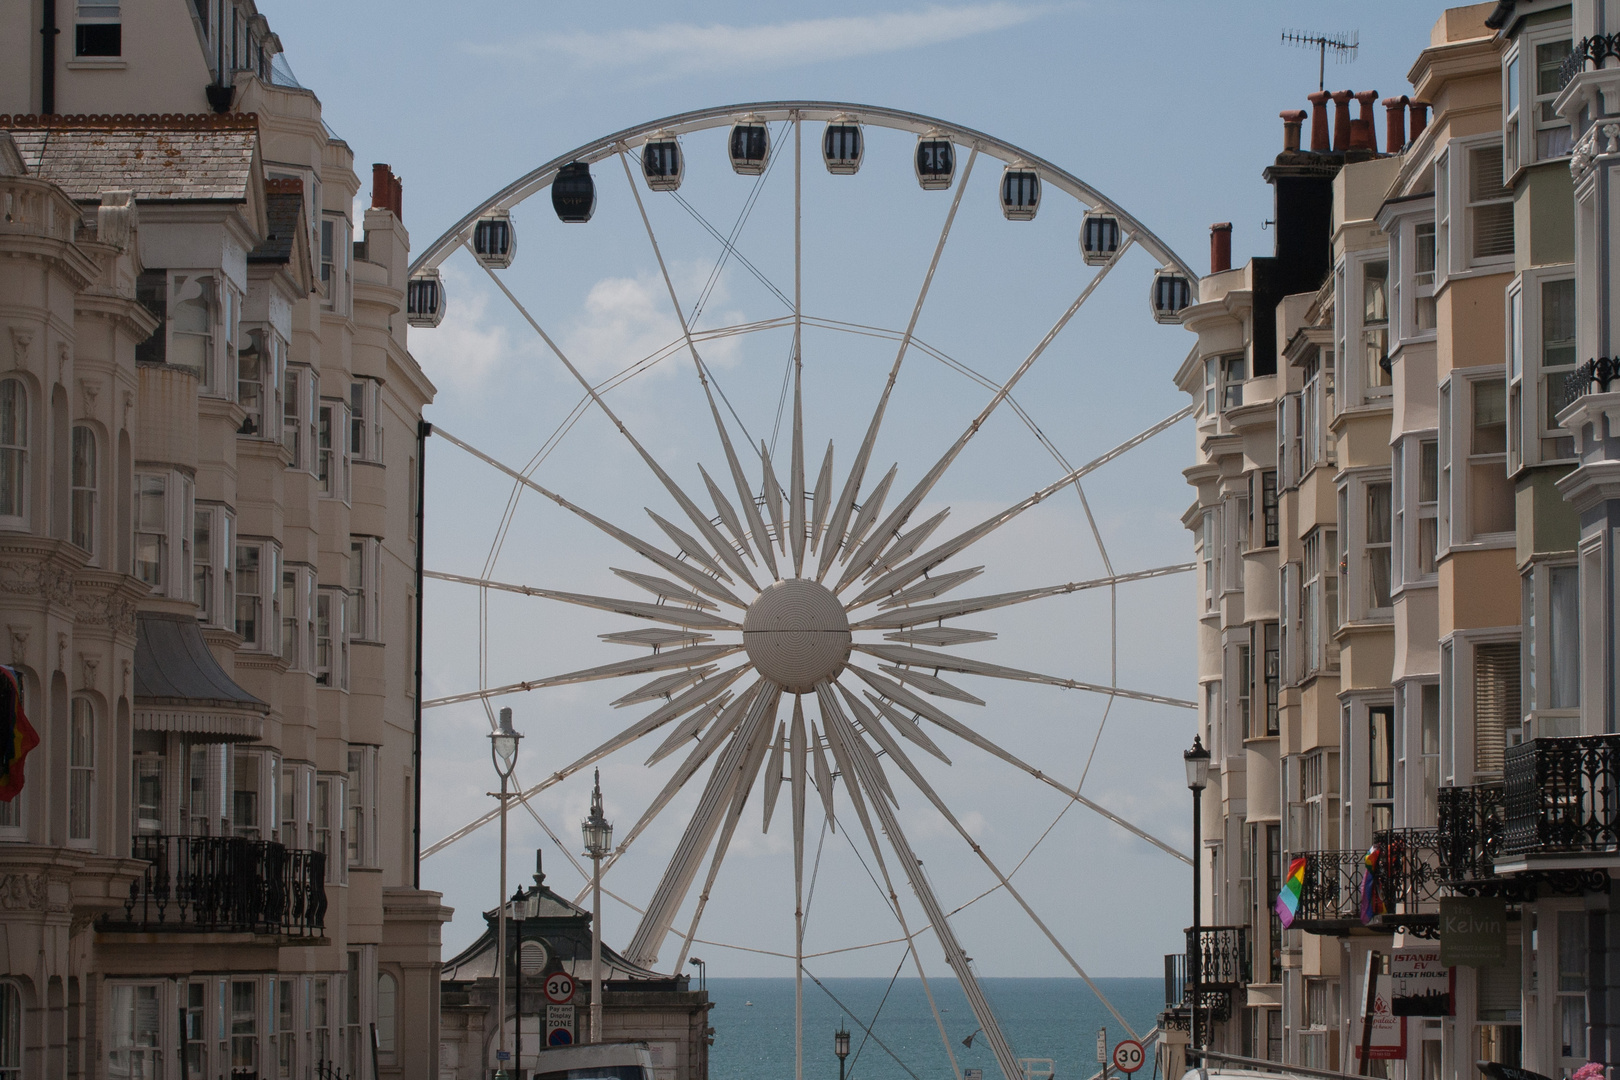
559	988
1128	1055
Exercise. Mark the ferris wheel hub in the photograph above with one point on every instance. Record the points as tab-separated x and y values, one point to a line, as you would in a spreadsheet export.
796	634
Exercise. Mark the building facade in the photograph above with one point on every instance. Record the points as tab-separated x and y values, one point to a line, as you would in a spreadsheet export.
1422	500
208	536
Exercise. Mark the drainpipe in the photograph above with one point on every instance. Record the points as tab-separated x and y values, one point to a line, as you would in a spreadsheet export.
47	57
423	430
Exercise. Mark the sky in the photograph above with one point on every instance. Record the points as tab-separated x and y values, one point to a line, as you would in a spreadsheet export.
1169	109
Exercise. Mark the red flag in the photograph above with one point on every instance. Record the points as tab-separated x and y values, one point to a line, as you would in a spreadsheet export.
17	735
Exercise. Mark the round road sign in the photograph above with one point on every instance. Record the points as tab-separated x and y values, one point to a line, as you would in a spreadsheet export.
560	990
1128	1055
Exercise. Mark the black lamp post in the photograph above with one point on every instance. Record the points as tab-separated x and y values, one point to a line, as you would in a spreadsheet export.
1197	762
841	1048
503	745
598	834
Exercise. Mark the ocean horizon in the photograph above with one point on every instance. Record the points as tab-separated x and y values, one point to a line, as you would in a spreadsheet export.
1050	1018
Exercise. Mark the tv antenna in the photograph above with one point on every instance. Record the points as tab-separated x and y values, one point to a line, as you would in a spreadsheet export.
1344	48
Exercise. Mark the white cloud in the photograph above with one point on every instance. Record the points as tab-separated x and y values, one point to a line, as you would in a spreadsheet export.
625	320
463	353
684	47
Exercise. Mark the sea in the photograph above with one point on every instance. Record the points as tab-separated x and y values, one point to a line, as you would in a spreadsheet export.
1056	1019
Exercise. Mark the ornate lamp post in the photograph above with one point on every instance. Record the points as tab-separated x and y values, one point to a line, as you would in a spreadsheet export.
503	749
1197	762
598	832
841	1047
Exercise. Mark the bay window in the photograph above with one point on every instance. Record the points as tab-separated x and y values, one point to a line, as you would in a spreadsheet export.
244	1027
365	420
81	773
1378	526
1318	406
298	616
1375	324
331	838
1319	599
134	1035
164	521
331	639
1551	654
213	565
298	417
332	449
1380	768
360	821
365	588
1489	206
258	600
260	374
1532	131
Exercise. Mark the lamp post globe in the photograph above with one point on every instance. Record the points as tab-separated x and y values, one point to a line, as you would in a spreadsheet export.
841	1047
1197	762
503	750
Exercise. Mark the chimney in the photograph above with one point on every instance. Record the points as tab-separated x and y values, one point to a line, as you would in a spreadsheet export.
1364	131
381	186
1292	119
1420	119
1341	120
397	194
1394	124
1319	123
1220	247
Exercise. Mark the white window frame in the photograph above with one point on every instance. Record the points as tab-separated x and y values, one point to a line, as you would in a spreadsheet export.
331	614
1523	100
332	459
178	523
264	600
15	458
1457	758
360	812
365	588
297	641
124	1052
1456	449
1209	554
1454	168
1352	328
303	388
1355	492
82	759
335	239
1412	509
213	570
296	814
84	517
1319	599
331	802
365	420
269	349
1535	389
1538	654
1319	403
1411	304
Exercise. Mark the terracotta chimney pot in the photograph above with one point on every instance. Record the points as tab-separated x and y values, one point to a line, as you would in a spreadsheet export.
381	186
398	197
1220	247
1292	120
1366	98
1394	124
1341	120
1420	119
1319	121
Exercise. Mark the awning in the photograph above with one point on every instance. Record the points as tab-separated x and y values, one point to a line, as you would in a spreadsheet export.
180	687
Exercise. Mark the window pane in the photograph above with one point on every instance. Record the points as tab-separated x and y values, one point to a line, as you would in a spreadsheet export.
1490	418
1496	701
1558	323
1563	638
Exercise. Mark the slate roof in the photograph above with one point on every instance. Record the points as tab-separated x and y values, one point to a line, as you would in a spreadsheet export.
161	158
173	666
282	212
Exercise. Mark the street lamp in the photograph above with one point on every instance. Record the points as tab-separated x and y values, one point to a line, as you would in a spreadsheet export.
598	832
703	973
503	750
841	1047
1197	762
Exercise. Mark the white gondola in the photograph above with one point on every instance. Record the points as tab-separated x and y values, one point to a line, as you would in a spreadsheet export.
1099	237
750	146
424	300
936	162
662	164
1020	192
1172	292
573	193
494	242
842	146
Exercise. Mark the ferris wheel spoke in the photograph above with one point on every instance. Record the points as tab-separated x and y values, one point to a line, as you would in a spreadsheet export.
647	551
664	589
844	751
821	500
857	473
950	609
729	719
904	575
698	518
773	775
665	686
891	525
905	545
903	762
928	658
901	696
905	725
691	548
691	728
931	587
688	656
866	765
700	831
824	781
931	684
728	515
771	491
685	617
871	507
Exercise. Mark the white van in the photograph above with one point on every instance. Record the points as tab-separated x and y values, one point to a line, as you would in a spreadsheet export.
596	1061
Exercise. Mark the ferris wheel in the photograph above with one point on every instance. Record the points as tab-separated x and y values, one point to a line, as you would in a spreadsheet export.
803	616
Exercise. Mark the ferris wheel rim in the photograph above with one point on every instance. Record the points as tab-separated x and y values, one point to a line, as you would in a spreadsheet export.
538	179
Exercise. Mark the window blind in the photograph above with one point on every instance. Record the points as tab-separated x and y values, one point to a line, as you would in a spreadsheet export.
1496	701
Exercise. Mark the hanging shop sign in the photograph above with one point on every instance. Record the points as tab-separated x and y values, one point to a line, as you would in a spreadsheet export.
1473	930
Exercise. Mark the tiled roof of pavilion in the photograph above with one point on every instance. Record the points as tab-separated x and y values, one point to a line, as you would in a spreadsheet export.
161	158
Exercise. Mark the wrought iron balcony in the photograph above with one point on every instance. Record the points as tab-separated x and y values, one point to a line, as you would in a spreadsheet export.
1592	377
1589	50
1223	956
1406	887
200	884
1214	1003
1470	836
1562	797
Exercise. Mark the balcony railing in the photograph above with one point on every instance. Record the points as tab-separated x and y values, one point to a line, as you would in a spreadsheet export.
1589	50
1224	956
1562	796
1470	834
224	884
1406	888
1592	377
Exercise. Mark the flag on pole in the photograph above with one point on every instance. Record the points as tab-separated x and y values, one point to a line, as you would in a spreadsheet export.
17	735
1372	892
1288	896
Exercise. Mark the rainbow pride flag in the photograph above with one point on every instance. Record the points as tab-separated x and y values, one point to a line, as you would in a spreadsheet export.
1288	896
17	735
1372	891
